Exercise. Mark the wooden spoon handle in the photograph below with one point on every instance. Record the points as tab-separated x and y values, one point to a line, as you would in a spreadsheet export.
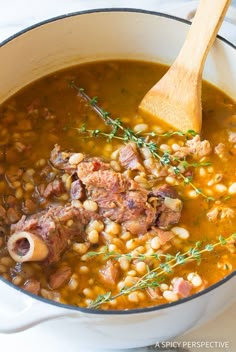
176	99
202	33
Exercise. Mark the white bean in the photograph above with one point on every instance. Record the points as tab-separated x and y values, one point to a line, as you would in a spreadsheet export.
164	148
90	205
141	295
19	193
115	165
124	263
181	232
195	279
120	285
220	188
171	180
76	158
17	280
146	153
130	244
170	296
28	186
130	281
115	155
133	297
125	236
40	163
69	223
112	248
83	269
193	194
232	188
88	292
73	283
141	267
164	287
155	243
95	225
113	228
142	127
93	236
80	248
76	203
202	172
175	147
210	170
132	273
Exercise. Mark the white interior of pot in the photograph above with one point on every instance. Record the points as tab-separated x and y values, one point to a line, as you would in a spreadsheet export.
100	36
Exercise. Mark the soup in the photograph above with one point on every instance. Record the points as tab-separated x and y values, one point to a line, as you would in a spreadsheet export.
108	210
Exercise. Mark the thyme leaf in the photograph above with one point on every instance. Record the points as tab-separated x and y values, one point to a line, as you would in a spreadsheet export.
127	134
154	277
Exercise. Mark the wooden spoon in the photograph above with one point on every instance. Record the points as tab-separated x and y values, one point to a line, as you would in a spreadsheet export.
176	99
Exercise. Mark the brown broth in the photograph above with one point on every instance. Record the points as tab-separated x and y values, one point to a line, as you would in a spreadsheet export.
48	112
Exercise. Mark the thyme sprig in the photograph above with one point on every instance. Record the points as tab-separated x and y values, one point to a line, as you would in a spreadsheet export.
127	134
153	278
106	254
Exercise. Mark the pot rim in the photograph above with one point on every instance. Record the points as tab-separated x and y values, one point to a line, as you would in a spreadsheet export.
105	9
113	311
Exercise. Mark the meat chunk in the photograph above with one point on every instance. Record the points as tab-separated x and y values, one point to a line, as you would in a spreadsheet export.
35	104
212	215
227	213
168	207
167	217
220	213
54	188
28	207
166	191
108	180
129	157
60	277
182	152
13	215
60	159
13	175
123	200
109	274
77	190
3	215
89	166
120	199
164	236
199	148
182	287
194	147
53	227
32	286
220	149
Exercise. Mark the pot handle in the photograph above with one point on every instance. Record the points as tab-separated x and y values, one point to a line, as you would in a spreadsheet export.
20	311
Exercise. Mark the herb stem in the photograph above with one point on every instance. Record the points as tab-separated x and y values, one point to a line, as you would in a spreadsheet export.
154	277
165	159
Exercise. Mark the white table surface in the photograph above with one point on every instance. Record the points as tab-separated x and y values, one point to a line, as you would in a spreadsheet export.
16	15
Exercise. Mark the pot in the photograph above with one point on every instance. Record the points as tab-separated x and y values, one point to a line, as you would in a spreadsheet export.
102	35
